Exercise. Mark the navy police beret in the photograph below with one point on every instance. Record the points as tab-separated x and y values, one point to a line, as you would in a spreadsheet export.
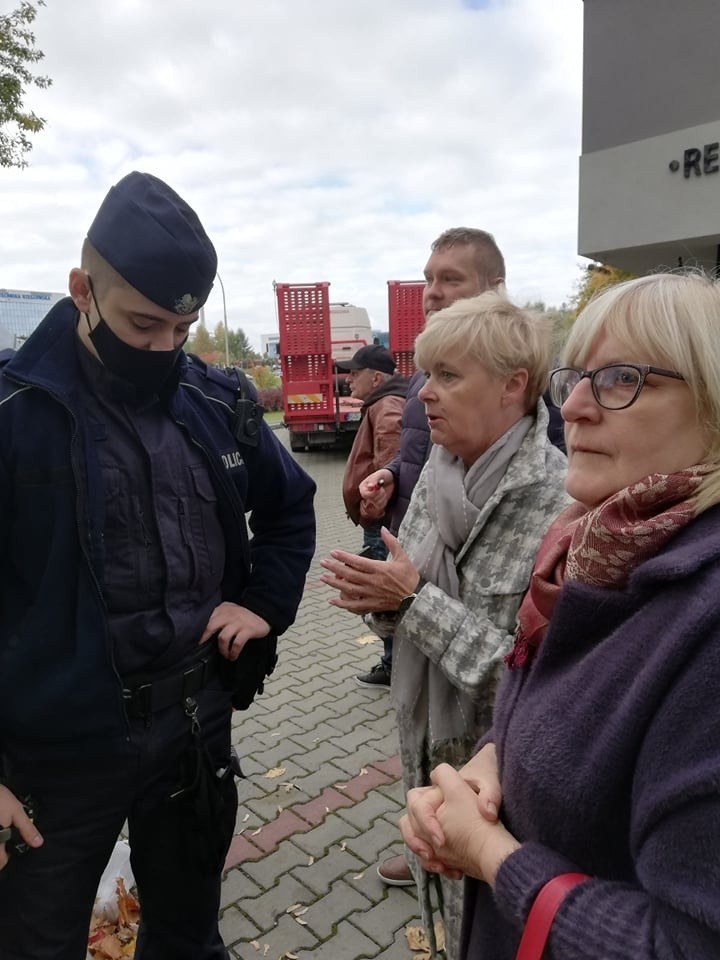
155	241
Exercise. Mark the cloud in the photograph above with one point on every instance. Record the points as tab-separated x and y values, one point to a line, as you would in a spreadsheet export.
317	140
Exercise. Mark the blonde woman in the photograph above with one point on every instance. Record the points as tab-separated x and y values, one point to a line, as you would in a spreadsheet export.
464	553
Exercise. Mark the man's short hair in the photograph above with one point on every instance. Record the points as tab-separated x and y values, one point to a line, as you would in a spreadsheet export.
103	276
490	262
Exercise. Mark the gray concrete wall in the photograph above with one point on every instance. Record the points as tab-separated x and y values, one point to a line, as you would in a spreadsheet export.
650	67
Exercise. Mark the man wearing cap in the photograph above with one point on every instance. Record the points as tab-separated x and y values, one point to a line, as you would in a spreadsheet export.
372	378
129	587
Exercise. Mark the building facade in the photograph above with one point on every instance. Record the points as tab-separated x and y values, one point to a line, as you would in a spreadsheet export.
20	312
650	164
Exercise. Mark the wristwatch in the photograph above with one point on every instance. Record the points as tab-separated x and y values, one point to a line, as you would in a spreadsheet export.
406	603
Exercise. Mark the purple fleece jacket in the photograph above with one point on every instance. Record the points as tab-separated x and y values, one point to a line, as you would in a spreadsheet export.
609	754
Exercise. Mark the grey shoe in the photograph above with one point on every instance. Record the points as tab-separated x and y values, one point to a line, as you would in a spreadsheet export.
379	676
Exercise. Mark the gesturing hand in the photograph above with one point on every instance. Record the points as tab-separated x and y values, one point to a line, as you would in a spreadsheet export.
371	585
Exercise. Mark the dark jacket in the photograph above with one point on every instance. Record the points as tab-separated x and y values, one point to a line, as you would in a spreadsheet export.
608	746
57	677
407	465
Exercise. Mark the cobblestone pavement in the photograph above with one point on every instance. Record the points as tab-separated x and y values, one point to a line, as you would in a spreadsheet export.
300	877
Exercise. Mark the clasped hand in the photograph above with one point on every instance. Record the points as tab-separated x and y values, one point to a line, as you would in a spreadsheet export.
453	826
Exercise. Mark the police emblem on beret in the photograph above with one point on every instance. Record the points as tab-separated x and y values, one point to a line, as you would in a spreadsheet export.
185	304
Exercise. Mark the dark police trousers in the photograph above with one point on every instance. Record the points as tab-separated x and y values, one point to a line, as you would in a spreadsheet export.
83	800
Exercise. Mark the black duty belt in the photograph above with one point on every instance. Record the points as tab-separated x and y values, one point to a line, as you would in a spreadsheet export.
145	697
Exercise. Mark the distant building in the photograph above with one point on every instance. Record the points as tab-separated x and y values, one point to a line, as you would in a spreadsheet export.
21	311
270	345
650	164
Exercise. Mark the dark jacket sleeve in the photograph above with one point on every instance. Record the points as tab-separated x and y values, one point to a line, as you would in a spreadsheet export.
282	525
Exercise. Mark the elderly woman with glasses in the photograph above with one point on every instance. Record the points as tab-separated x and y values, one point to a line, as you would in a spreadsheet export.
595	797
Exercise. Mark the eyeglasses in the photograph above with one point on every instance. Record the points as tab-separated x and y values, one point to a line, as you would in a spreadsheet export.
614	386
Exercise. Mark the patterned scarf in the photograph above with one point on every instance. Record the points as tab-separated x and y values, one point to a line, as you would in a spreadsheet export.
603	546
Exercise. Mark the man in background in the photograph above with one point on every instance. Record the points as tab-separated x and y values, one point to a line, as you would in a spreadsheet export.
372	379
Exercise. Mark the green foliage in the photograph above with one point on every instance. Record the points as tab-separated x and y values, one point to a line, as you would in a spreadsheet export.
595	277
17	55
210	347
200	342
264	378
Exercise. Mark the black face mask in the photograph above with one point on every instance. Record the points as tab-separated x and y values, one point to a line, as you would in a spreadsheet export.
146	370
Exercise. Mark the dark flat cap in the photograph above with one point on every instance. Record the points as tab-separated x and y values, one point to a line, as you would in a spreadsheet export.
373	357
155	241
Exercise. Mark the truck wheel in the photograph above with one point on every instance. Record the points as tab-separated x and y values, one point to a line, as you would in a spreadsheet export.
298	443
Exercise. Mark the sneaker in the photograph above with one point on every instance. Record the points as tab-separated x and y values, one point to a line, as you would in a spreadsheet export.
396	872
379	676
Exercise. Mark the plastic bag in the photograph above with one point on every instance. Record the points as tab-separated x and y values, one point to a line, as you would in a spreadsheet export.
106	904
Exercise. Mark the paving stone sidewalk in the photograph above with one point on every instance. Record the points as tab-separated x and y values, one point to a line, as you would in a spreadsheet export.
300	877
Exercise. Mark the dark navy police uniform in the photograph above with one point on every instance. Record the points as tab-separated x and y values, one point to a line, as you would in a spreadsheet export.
122	523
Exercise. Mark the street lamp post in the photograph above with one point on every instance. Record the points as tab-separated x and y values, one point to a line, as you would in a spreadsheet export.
227	344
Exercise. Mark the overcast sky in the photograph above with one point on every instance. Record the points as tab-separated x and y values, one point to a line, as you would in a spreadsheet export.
317	139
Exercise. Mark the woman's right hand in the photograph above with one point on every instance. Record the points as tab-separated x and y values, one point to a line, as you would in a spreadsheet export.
12	814
481	772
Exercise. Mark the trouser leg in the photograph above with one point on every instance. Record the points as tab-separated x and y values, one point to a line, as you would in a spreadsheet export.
386	658
177	858
47	894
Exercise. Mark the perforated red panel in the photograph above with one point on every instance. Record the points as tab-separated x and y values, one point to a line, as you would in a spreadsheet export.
405	319
305	358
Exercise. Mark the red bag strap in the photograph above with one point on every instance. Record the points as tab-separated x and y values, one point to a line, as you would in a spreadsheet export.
542	913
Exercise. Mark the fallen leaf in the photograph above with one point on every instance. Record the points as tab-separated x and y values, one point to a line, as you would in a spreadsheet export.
343	846
365	639
359	876
311	861
299	913
293	908
439	934
278	733
303	923
254	944
316	739
363	772
246	818
280	809
291	956
275	772
340	786
416	939
266	948
256	832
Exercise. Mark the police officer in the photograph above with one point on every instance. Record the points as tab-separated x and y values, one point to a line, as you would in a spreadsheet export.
129	587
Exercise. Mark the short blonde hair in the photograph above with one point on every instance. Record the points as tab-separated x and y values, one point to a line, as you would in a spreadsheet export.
671	320
498	334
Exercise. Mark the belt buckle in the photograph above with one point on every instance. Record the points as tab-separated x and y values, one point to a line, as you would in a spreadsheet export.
190	684
140	699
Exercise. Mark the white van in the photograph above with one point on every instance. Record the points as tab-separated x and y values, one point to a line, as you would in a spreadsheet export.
349	330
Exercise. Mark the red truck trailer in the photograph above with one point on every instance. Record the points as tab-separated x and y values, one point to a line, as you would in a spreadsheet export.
314	334
405	321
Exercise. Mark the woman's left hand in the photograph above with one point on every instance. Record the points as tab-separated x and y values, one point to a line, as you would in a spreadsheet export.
370	585
472	845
